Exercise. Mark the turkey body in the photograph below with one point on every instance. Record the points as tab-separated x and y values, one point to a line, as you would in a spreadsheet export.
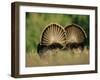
75	37
55	36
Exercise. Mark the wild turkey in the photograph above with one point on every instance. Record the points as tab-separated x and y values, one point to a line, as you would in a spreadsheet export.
53	37
75	36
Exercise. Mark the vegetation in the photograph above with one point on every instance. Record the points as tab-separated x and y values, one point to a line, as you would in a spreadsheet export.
57	57
36	22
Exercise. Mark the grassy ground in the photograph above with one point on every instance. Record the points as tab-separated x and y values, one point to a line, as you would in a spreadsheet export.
58	57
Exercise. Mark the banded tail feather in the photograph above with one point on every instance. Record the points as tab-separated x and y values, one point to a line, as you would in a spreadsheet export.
75	37
53	37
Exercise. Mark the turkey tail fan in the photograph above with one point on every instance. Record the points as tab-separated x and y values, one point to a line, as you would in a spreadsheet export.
53	36
75	36
53	33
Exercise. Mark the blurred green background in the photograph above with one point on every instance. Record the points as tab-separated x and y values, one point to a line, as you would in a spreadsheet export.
36	22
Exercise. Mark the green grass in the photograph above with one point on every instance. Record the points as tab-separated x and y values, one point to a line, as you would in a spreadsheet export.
58	57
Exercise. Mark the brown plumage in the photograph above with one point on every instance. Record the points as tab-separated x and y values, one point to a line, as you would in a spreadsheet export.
75	36
53	37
